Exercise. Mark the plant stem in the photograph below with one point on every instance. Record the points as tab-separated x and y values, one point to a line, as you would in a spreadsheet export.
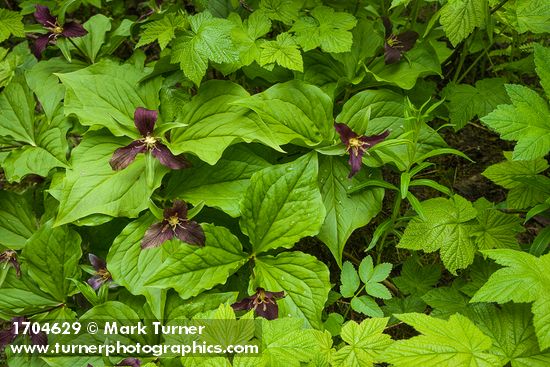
500	5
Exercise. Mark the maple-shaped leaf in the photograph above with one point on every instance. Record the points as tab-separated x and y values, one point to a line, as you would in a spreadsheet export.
161	30
283	51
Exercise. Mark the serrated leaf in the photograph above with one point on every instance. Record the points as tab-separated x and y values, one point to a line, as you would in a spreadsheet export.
325	28
467	101
11	23
51	258
415	278
381	272
91	186
366	268
526	121
285	342
364	343
214	123
161	30
367	306
460	17
303	278
192	273
208	39
542	55
349	279
497	230
457	339
17	220
282	204
283	51
377	290
284	10
445	228
533	16
246	35
345	212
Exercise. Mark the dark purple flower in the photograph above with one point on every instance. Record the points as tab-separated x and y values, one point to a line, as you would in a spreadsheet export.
10	257
396	45
174	224
44	17
357	145
8	335
131	362
262	302
145	120
102	275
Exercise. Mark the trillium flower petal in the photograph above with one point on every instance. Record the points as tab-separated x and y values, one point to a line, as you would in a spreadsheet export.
122	157
130	362
345	132
190	232
391	55
40	45
407	40
156	235
43	16
275	295
6	337
39	338
268	310
355	162
97	262
245	304
145	120
388	27
166	158
178	209
95	282
73	29
374	139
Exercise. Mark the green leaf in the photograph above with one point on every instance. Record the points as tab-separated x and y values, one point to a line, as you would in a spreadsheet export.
460	17
286	11
303	278
367	306
415	278
467	101
282	205
510	175
526	121
17	220
377	290
295	112
364	343
532	16
349	279
11	23
542	55
192	273
325	28
497	230
214	123
445	228
525	278
345	213
51	257
162	30
107	94
366	269
445	301
21	296
220	186
283	51
457	340
208	39
246	34
421	61
286	343
91	186
97	27
17	112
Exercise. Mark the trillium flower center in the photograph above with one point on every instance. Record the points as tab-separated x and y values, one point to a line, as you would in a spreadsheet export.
104	274
393	42
173	221
355	145
150	142
57	30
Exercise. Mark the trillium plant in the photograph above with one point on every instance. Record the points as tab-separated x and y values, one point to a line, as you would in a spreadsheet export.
308	183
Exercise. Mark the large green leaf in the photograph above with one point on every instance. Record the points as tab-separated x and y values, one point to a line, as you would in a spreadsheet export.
345	213
51	258
295	112
283	204
460	17
444	228
221	186
364	343
10	24
17	112
192	273
286	11
532	16
542	55
97	27
303	278
455	342
17	220
214	123
246	34
107	94
162	30
283	51
91	186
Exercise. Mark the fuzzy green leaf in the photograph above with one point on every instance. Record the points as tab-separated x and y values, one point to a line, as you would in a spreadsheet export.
415	278
10	24
542	62
283	51
460	17
286	11
349	279
161	30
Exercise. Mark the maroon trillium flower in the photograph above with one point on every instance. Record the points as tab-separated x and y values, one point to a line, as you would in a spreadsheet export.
262	302
396	45
357	145
44	17
8	335
145	120
102	275
174	224
130	362
10	257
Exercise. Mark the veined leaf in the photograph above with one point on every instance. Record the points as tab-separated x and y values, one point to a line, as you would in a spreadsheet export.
283	51
460	17
284	10
282	205
161	30
10	24
17	220
17	112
